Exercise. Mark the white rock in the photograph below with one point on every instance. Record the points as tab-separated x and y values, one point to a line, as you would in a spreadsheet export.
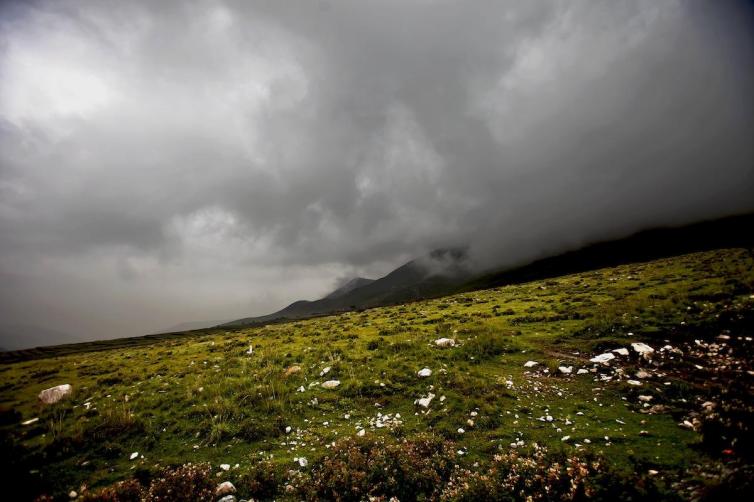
530	364
582	371
645	399
325	371
30	421
228	498
72	494
225	467
642	348
134	455
634	382
425	372
55	394
603	358
330	384
565	438
566	370
460	430
445	342
361	433
424	402
225	488
621	352
301	461
288	430
549	418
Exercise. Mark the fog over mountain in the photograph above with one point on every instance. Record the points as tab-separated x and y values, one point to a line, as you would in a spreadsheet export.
165	162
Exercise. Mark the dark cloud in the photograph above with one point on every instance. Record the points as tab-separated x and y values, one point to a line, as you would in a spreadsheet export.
164	162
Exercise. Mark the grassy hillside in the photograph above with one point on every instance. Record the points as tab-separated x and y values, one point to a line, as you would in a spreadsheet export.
494	427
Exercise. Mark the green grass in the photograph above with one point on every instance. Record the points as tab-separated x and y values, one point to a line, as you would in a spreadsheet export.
201	398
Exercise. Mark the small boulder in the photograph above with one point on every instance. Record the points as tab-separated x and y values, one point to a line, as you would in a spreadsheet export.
445	342
225	488
530	364
55	394
621	352
330	384
603	358
425	372
642	348
424	402
566	370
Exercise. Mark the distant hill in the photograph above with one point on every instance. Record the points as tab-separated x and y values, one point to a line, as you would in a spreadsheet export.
349	286
445	271
437	273
192	325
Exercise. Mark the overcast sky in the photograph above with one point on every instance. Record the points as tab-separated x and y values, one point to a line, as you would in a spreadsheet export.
163	162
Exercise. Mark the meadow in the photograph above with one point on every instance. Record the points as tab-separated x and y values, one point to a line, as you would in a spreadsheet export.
248	405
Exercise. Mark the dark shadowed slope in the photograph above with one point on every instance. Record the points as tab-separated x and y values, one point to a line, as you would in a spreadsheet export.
731	232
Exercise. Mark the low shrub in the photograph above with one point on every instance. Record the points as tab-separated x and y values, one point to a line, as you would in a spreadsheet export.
186	482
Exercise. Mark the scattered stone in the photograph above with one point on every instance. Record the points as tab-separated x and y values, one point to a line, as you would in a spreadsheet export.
72	494
424	402
603	358
460	430
621	352
325	371
530	364
330	384
425	372
566	370
134	455
565	438
642	374
225	467
227	498
30	421
582	371
55	394
445	342
642	348
645	399
225	488
634	382
361	433
301	461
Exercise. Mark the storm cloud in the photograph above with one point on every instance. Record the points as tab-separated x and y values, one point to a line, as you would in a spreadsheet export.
163	162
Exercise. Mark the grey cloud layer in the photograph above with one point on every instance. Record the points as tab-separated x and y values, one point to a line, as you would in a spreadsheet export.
167	161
